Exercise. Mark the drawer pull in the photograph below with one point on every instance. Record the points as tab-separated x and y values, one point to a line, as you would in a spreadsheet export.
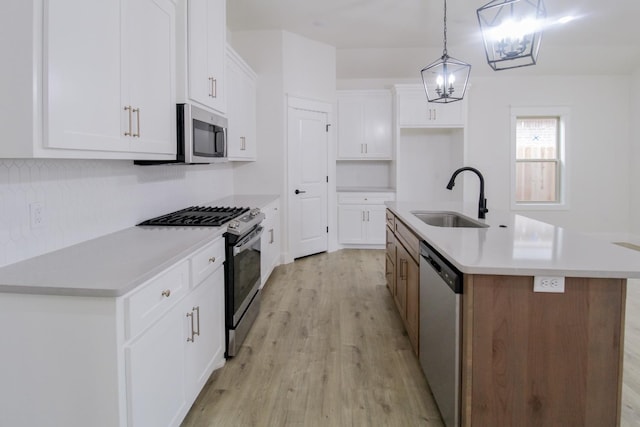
212	259
166	293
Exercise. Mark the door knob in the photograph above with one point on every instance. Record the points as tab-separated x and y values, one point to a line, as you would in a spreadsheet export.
299	191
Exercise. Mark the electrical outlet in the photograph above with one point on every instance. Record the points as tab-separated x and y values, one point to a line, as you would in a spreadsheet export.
36	211
548	284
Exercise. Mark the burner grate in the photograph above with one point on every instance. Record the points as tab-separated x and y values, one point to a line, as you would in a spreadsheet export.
200	216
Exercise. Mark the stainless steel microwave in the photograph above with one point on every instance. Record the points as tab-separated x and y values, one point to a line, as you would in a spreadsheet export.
201	137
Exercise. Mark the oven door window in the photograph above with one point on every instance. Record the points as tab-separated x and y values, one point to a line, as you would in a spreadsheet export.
246	271
208	139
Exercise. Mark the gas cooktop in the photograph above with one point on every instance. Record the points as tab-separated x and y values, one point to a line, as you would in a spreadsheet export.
197	216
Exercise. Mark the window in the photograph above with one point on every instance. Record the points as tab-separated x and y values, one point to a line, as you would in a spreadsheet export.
538	141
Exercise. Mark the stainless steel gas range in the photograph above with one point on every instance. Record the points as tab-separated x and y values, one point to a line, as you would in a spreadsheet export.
242	263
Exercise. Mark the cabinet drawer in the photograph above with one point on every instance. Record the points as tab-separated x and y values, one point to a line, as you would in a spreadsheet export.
391	220
348	198
408	239
206	261
156	297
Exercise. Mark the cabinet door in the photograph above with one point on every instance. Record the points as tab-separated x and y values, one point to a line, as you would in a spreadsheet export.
203	313
241	134
377	126
350	128
415	111
270	242
82	102
413	303
149	72
364	125
390	272
351	224
376	224
402	271
155	374
206	52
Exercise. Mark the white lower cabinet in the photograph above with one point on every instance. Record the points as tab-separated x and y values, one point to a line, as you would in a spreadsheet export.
136	360
361	218
203	313
270	243
155	365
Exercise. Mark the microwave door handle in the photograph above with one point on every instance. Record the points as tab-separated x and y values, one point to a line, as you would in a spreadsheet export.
254	237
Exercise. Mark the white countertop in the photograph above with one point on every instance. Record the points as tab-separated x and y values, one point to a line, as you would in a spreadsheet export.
365	190
114	264
525	247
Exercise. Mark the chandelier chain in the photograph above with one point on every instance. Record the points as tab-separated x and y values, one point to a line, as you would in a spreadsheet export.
444	52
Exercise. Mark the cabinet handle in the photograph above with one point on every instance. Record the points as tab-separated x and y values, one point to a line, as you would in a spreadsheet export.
190	339
403	264
366	148
166	293
243	143
137	111
197	310
368	216
212	259
271	233
214	87
128	108
193	326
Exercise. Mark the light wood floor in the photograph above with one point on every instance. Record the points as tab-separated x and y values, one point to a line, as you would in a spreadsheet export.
328	349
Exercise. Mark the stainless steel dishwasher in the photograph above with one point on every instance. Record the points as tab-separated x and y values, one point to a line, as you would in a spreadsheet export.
440	337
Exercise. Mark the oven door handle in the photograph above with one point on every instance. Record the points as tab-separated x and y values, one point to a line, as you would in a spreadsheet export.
248	241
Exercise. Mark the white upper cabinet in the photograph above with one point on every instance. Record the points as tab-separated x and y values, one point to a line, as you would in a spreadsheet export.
206	24
149	75
364	125
103	85
241	132
413	109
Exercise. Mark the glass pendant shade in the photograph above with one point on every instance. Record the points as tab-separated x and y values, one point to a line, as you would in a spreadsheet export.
512	32
445	80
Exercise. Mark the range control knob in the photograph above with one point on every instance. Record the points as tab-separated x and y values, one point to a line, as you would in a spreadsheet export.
234	224
254	212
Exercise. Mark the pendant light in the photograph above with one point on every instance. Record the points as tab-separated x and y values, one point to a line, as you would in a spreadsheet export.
445	80
512	32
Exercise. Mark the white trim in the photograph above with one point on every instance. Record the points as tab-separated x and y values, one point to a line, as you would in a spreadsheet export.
309	105
564	113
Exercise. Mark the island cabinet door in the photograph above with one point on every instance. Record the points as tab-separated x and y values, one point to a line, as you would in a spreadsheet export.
413	303
402	271
390	266
542	359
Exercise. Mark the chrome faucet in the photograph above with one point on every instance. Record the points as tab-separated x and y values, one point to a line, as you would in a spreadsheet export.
482	204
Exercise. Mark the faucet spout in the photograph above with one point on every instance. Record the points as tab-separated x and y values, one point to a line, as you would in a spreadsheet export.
482	203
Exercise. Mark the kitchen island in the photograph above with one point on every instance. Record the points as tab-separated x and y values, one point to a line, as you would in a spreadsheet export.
533	358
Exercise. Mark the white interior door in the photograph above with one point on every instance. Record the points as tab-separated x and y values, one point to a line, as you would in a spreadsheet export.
308	187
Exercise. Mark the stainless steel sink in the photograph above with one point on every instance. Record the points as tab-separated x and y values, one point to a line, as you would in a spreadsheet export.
447	219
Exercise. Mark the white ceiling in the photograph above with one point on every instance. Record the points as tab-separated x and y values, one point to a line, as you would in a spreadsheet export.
353	24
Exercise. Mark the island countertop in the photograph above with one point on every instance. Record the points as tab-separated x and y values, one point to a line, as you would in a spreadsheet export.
514	244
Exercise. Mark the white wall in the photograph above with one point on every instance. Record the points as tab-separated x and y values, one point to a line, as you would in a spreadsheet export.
84	199
600	176
286	65
634	158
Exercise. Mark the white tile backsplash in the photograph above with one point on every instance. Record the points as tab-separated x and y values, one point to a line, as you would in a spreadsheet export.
84	199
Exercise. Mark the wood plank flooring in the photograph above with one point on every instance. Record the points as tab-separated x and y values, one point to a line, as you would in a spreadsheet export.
329	349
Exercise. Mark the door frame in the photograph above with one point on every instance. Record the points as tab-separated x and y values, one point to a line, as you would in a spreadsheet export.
294	102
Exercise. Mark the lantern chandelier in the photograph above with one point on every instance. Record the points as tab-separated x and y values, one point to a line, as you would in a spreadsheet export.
445	80
512	31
